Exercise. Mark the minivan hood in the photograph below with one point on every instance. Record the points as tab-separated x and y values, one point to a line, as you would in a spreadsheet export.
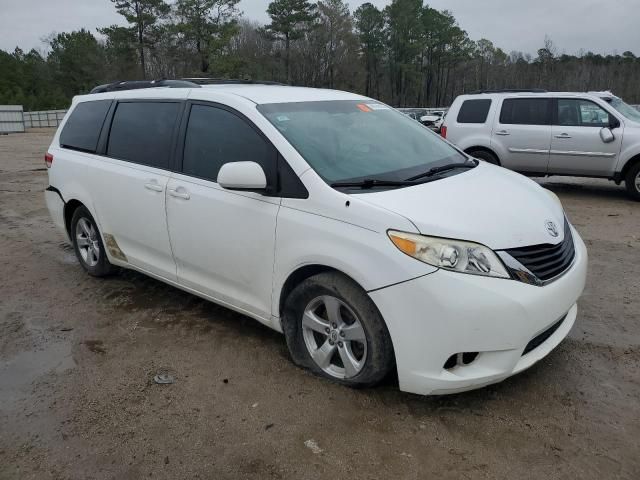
488	204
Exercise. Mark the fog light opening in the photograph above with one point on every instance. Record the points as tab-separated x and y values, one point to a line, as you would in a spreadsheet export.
460	360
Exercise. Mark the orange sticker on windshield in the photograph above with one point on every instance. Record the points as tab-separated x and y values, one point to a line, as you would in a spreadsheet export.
363	107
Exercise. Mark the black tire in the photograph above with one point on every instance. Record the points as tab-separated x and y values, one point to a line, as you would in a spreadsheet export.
379	358
632	181
102	267
484	155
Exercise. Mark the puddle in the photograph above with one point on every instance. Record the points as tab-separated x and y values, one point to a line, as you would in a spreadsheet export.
18	373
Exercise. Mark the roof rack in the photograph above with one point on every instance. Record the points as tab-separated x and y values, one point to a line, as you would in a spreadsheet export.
229	81
510	90
136	84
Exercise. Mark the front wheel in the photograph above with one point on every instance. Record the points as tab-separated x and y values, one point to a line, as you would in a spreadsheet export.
335	330
632	181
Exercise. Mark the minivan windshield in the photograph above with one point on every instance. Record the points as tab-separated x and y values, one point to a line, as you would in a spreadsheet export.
352	140
625	109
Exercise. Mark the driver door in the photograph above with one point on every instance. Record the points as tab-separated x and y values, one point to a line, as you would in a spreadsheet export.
576	145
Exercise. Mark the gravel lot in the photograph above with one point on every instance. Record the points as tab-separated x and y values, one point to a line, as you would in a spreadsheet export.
78	356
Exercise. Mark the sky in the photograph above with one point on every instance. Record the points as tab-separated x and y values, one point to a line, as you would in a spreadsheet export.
573	25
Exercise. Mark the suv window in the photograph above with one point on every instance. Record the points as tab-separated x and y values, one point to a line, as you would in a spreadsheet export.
526	111
474	111
141	132
82	130
581	113
216	136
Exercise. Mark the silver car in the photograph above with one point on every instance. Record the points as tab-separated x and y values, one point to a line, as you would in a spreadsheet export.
541	133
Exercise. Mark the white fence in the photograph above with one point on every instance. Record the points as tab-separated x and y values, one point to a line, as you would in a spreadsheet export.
43	118
11	119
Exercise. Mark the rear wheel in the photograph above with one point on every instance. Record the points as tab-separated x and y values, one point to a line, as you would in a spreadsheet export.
484	155
334	329
632	181
87	244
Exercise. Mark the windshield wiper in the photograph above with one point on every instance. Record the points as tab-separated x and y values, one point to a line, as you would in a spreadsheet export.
373	182
443	168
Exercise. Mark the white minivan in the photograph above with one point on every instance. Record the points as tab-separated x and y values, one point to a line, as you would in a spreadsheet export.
371	243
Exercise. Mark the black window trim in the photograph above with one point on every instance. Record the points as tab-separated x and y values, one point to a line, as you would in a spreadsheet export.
614	121
550	113
106	121
103	141
275	181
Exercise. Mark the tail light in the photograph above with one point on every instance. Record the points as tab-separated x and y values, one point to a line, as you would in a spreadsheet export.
48	159
443	131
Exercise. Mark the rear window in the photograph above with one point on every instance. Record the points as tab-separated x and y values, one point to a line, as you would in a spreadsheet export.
141	132
526	111
82	129
474	111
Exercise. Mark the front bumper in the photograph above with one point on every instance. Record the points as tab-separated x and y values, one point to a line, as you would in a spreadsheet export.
435	316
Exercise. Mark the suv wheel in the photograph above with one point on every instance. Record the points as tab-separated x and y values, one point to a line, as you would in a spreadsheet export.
87	243
484	155
334	329
632	181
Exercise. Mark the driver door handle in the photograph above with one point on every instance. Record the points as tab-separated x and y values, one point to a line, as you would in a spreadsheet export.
563	135
179	193
154	186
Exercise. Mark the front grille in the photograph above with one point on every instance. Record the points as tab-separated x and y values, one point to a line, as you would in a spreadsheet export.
542	337
547	261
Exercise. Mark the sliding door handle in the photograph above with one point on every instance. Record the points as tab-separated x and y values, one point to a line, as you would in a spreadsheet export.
502	133
563	135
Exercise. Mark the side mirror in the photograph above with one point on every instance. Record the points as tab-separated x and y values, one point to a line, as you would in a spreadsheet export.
606	135
242	176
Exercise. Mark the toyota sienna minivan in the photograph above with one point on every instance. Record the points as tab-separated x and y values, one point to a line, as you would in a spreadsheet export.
371	243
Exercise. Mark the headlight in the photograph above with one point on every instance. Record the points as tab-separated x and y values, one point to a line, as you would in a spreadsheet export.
454	255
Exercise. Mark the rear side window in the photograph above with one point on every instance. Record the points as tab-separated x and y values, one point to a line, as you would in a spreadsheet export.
82	129
141	132
526	111
474	111
214	137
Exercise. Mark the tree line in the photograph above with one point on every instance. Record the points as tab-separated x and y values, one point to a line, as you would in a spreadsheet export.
406	54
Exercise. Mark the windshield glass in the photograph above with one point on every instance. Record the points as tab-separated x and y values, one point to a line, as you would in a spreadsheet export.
626	110
346	140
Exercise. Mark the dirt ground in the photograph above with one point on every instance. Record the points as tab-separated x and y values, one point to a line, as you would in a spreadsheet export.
78	356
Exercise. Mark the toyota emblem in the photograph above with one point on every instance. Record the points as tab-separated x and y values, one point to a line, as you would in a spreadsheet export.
551	228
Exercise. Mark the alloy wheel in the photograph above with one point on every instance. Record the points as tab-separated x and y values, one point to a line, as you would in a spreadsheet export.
87	241
334	337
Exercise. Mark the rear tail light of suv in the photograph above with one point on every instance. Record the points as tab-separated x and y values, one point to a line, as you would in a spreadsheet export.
443	131
48	159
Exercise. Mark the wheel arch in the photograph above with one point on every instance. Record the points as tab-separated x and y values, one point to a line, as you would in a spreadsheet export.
69	208
299	275
481	148
634	160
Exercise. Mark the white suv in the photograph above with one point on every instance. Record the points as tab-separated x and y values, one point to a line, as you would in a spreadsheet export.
550	133
371	243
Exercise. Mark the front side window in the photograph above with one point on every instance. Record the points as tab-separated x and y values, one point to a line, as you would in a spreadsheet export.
141	132
351	140
215	137
474	111
82	130
575	112
526	111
